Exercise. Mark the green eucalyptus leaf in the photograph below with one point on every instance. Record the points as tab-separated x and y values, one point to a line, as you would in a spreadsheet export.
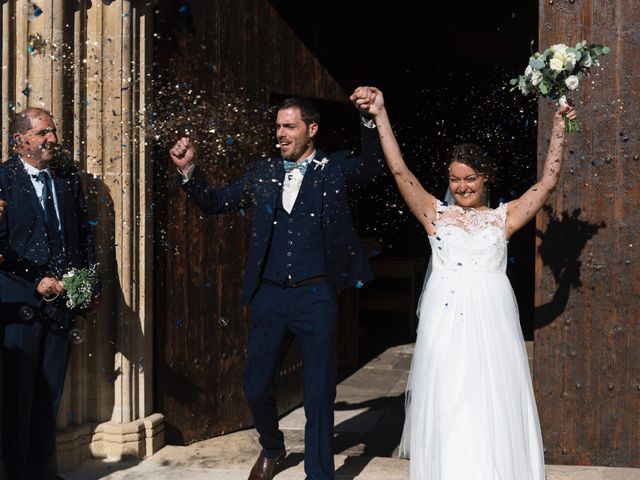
536	63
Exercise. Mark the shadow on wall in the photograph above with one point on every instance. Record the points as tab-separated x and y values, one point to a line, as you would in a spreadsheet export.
115	323
560	249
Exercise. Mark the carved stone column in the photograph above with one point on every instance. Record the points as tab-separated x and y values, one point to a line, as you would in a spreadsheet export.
88	63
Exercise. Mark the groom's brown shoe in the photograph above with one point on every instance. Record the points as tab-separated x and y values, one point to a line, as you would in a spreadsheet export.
264	467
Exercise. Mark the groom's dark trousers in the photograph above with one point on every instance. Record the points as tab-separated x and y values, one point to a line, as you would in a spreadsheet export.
310	313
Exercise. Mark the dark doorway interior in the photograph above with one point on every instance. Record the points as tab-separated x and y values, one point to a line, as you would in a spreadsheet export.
444	74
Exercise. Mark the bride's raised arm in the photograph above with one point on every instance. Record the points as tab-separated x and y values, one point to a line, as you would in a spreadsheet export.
421	203
523	209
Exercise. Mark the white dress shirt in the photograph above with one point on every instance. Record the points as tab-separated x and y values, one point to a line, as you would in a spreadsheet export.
291	185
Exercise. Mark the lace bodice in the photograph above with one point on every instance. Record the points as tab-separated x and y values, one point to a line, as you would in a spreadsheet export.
468	239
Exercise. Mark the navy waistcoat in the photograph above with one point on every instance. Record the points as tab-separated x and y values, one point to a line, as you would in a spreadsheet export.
296	248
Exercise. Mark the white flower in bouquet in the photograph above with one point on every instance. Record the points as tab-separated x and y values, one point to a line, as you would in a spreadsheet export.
557	71
559	47
557	63
536	77
572	82
522	85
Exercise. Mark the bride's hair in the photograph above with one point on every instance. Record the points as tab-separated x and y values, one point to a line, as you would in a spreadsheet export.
475	157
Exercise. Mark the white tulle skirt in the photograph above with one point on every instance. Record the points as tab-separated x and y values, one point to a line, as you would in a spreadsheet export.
471	412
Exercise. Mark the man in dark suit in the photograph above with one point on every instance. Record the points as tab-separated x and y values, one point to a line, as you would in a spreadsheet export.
304	251
42	235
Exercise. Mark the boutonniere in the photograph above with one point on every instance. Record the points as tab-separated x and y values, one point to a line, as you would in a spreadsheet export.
320	163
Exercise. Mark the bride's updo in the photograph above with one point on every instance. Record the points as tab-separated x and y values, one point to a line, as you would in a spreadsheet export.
475	157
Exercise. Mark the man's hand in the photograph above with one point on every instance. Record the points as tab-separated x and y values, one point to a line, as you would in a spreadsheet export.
3	204
50	287
183	153
368	100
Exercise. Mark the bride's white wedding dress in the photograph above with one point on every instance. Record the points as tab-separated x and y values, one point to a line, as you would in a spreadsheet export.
471	412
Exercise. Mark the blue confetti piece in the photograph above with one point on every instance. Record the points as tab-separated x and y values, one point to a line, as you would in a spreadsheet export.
93	223
241	211
179	323
182	8
26	91
229	141
268	208
359	284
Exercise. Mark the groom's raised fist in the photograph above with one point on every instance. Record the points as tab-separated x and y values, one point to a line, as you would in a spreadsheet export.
183	153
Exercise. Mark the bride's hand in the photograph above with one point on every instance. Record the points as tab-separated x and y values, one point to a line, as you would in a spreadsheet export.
368	100
565	110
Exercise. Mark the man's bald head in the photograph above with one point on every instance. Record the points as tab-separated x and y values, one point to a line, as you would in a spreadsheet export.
22	121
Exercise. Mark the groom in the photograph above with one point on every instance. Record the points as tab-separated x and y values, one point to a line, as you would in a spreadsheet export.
304	251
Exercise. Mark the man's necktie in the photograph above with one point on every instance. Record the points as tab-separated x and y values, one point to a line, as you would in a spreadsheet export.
302	166
47	197
56	245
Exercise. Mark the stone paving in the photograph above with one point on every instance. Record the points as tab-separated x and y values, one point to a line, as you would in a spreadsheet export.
368	419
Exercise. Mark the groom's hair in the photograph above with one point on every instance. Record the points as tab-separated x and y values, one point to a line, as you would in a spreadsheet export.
475	157
308	111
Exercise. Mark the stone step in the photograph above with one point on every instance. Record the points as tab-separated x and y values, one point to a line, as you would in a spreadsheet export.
230	457
529	345
174	465
368	423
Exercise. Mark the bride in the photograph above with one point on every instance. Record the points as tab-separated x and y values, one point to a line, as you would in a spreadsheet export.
470	411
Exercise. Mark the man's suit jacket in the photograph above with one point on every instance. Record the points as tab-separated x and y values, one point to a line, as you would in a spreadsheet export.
260	187
23	237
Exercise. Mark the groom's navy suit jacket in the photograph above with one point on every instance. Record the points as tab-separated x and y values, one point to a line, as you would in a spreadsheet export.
326	192
23	232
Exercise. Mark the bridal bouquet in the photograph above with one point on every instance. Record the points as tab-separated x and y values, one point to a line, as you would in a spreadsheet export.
80	285
557	71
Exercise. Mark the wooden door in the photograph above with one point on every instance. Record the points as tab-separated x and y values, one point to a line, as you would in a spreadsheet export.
587	365
216	68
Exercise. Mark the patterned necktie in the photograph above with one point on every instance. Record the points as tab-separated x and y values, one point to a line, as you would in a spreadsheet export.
302	166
